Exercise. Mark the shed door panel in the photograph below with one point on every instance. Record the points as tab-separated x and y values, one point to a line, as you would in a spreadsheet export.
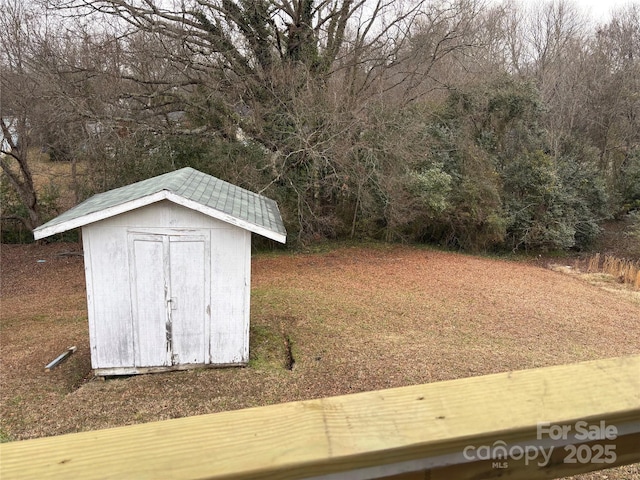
150	289
189	284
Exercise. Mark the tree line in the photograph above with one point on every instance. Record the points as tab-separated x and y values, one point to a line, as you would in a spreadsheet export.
476	126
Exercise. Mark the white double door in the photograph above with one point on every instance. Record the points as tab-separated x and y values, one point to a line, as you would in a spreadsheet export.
170	278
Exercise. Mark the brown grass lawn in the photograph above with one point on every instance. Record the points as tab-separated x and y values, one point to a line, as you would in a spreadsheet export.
357	318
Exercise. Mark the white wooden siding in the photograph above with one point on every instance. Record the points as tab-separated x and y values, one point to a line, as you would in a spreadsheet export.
230	290
108	297
138	261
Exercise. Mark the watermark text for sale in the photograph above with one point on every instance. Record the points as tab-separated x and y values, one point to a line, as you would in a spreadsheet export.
600	448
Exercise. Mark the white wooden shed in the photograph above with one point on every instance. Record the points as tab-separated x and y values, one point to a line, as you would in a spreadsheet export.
168	271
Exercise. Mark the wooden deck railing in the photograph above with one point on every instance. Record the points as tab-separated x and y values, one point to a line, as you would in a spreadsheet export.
542	423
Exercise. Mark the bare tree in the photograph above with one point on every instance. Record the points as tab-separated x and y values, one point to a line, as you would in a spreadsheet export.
613	119
239	46
56	87
17	89
298	77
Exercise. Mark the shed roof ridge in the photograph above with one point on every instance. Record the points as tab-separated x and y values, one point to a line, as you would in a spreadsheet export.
176	179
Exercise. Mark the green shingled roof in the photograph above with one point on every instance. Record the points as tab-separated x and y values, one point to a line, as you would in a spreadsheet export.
219	198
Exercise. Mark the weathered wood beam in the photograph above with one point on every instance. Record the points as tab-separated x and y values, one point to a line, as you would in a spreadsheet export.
449	429
56	361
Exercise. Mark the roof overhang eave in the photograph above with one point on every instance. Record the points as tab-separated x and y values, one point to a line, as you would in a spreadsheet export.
46	231
81	221
225	217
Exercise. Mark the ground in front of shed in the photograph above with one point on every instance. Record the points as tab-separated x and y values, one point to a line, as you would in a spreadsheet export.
346	320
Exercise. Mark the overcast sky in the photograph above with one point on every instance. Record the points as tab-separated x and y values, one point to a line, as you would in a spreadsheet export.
599	9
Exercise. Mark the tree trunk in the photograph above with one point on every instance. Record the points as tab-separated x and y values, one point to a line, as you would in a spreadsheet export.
22	180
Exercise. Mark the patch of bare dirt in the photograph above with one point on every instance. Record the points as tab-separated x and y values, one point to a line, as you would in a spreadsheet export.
352	319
